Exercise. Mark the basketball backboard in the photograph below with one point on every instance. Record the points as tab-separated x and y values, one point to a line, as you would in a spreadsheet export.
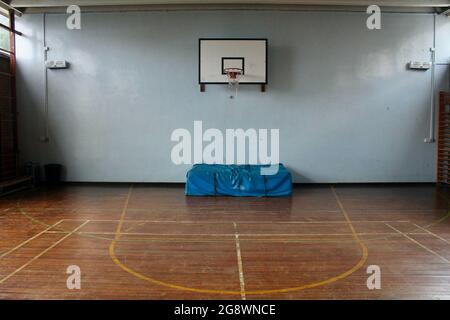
218	55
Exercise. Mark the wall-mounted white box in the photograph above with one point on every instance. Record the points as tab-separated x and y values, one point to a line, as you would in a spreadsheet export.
56	64
419	65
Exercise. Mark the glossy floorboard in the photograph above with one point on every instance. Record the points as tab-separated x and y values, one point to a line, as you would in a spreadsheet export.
152	242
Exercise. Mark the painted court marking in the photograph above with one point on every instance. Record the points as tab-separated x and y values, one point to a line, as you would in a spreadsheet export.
433	234
213	235
237	238
242	222
239	261
419	244
99	237
42	253
29	239
357	266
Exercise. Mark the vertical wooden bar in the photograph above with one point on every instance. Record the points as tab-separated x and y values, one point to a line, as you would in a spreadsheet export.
443	141
438	157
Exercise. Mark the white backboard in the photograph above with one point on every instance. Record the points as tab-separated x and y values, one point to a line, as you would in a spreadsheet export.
247	54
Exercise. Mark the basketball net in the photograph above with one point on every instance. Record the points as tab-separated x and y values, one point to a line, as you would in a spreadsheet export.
233	75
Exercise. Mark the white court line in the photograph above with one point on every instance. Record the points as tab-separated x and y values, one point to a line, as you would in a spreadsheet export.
42	253
171	211
28	240
242	234
239	261
433	234
419	244
246	222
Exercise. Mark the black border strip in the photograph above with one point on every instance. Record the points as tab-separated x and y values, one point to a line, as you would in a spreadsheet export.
234	58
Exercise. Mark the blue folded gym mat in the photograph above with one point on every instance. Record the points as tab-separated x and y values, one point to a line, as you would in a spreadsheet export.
237	180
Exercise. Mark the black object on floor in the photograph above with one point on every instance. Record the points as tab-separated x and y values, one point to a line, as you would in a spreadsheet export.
53	174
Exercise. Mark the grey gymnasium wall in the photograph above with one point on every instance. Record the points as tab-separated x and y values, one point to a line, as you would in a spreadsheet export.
347	107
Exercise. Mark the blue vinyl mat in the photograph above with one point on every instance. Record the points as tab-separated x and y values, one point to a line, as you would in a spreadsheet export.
237	180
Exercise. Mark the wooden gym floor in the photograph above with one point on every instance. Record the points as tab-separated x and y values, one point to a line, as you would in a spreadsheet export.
152	242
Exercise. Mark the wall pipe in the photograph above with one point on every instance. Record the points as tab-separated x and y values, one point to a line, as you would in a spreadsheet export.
432	138
45	137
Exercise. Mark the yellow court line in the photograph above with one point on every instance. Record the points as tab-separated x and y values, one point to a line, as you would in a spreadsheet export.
91	210
181	238
29	239
86	234
433	234
172	211
419	244
126	221
261	291
140	224
437	221
298	288
244	222
239	262
124	211
212	235
29	216
443	218
168	239
227	239
249	234
309	241
343	275
42	253
221	222
363	247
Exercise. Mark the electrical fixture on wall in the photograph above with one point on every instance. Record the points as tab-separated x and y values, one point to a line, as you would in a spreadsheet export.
56	64
53	65
419	65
